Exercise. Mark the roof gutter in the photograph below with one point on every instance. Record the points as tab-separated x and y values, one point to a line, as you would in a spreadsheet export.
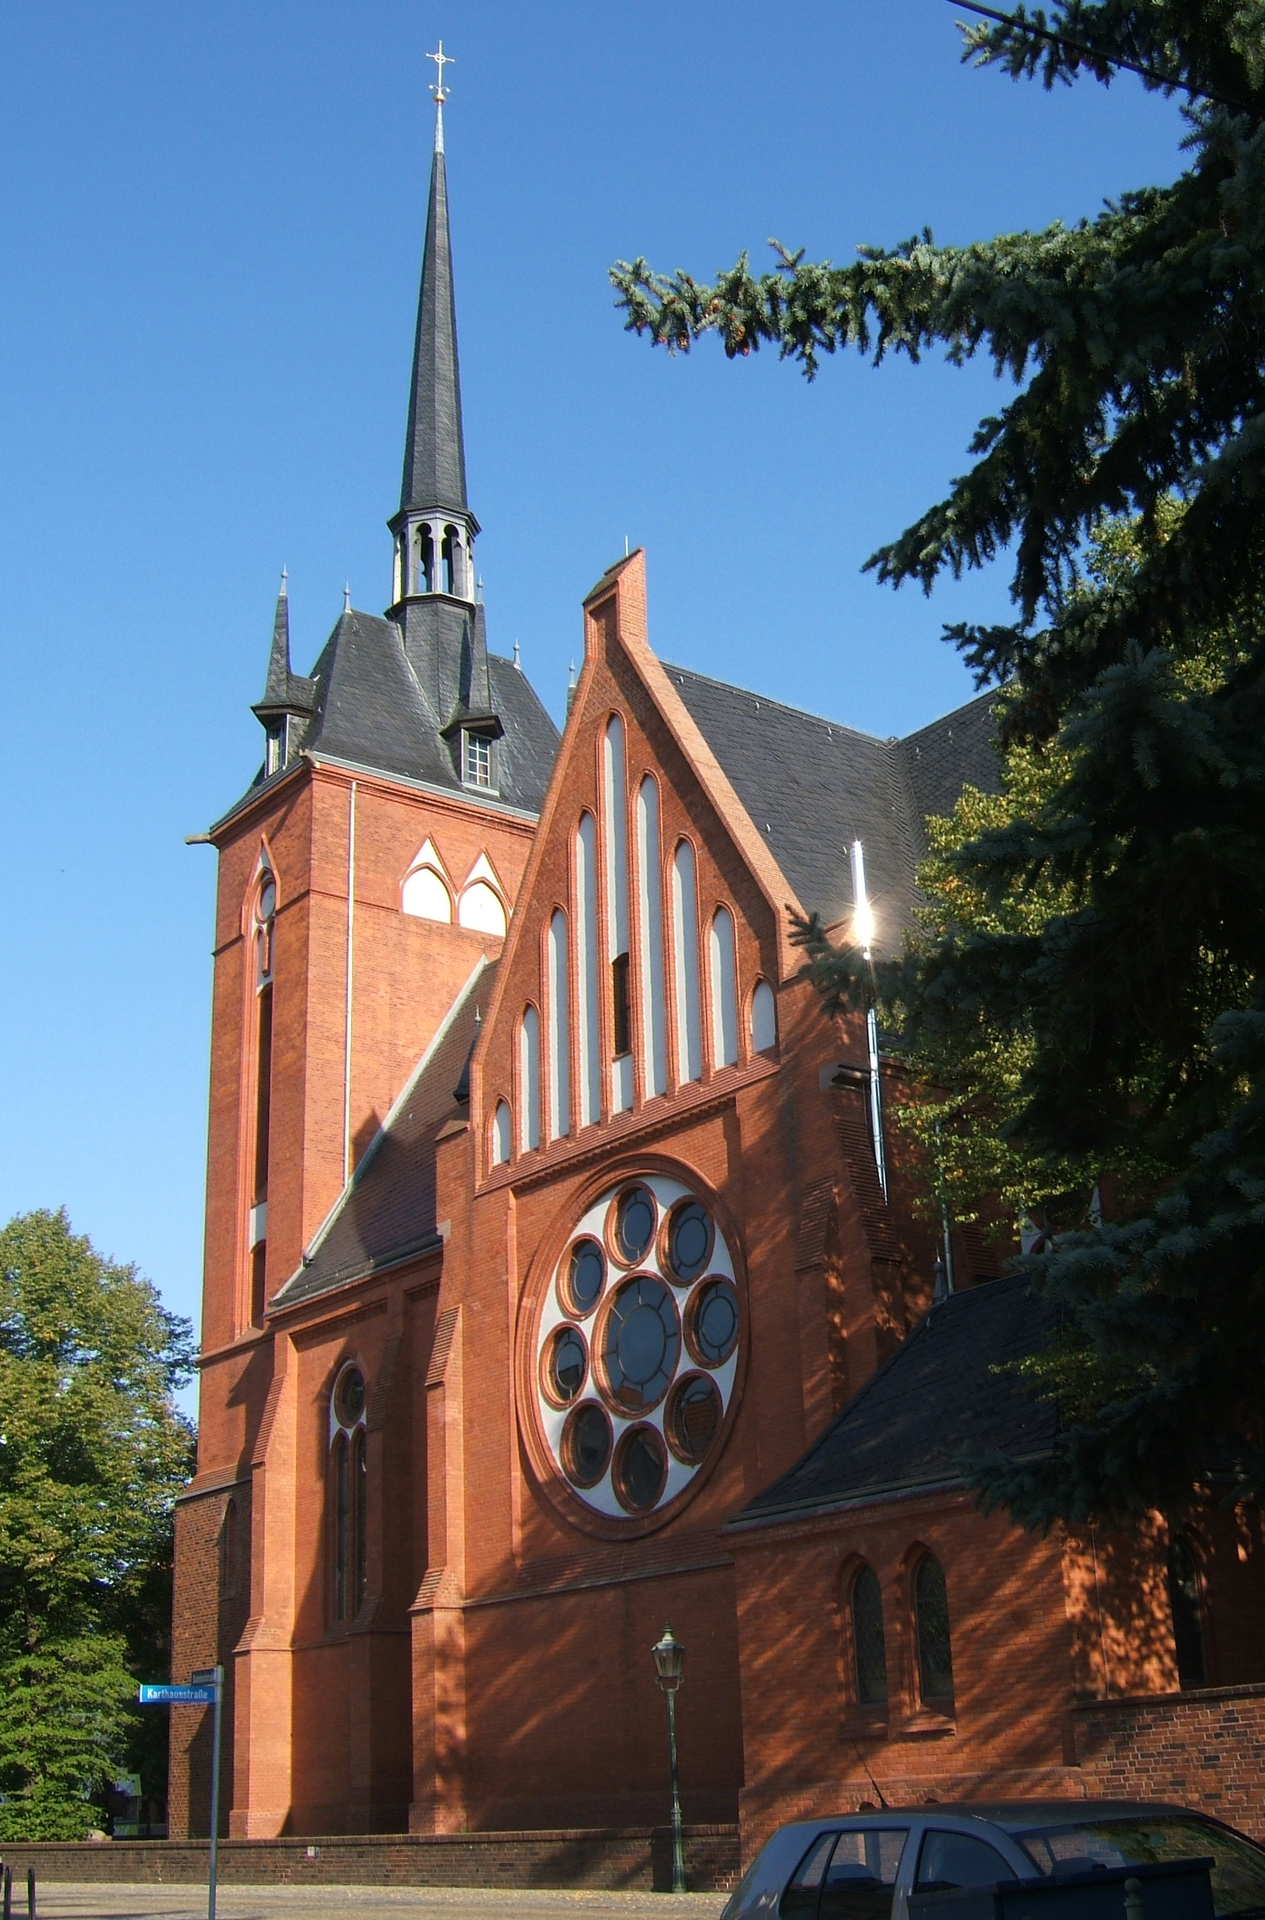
873	1497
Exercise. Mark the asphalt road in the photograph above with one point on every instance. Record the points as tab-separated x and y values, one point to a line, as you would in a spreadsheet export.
64	1900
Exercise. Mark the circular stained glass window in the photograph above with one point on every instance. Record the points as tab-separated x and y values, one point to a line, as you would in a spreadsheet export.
586	1444
689	1240
636	1339
641	1467
641	1342
267	899
349	1397
566	1364
693	1417
635	1218
713	1323
585	1277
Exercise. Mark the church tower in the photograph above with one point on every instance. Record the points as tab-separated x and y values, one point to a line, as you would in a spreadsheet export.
366	876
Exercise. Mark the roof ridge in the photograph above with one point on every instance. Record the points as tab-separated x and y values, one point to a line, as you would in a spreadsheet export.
838	726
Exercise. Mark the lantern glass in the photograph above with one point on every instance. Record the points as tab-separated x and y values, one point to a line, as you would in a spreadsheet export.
669	1661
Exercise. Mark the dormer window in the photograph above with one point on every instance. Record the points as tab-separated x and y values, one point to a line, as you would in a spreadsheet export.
476	759
275	751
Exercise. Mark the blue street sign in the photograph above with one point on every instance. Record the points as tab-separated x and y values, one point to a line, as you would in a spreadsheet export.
162	1696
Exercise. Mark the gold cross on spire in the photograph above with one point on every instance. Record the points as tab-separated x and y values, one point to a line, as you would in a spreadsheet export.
441	60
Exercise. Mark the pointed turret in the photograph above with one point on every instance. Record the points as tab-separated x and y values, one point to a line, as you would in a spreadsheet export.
436	605
434	450
286	706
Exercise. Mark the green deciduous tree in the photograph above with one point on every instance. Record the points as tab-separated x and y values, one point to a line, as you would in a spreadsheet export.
92	1453
1113	913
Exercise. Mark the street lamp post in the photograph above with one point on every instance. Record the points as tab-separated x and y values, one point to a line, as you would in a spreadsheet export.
669	1662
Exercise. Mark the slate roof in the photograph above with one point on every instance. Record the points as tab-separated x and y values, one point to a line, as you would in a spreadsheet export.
387	1212
953	752
812	786
369	709
434	449
284	691
937	1394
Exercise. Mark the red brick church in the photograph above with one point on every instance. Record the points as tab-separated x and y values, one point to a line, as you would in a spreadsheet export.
563	1275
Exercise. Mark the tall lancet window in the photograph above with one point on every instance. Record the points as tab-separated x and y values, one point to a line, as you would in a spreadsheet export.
559	1029
424	560
529	1081
615	802
263	933
650	903
588	1011
723	956
349	1490
689	1050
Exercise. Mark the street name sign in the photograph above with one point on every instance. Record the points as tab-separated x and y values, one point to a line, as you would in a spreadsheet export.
164	1696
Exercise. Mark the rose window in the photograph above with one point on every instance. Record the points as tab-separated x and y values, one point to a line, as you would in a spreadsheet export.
637	1347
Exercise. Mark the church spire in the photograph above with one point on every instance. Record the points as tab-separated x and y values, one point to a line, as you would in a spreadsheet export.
434	451
435	602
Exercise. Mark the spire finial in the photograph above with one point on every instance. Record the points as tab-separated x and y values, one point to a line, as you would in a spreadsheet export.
285	578
517	661
440	92
347	598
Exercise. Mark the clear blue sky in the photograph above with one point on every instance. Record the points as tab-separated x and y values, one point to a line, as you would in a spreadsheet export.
211	229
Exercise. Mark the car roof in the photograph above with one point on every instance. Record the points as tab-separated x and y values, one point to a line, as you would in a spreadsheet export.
1013	1816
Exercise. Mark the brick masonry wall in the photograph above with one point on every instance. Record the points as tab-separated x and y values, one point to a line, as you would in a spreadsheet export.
636	1860
1205	1749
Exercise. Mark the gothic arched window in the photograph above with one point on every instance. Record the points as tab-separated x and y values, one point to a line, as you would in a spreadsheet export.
501	1134
1186	1601
723	957
529	1080
869	1652
931	1619
425	560
763	1018
689	1049
650	915
349	1489
559	1027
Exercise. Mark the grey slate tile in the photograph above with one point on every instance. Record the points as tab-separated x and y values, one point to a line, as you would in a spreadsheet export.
938	1393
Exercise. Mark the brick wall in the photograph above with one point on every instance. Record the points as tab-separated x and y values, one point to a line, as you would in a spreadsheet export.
1205	1749
623	1859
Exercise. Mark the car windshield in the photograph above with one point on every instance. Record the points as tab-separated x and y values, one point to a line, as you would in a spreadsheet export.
1238	1872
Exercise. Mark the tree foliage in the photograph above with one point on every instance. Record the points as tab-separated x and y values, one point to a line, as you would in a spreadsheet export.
1111	913
92	1453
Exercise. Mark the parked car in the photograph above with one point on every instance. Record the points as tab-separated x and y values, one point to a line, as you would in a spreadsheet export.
864	1866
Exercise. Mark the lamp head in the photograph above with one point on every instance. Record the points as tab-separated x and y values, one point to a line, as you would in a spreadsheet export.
669	1661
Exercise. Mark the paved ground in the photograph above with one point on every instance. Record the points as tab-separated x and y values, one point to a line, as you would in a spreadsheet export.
64	1900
